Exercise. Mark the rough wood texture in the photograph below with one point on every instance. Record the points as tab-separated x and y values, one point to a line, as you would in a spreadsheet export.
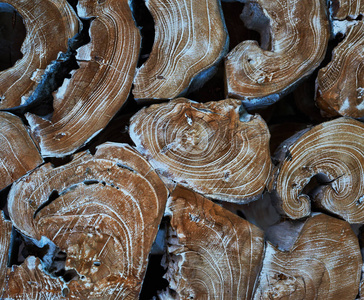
323	263
334	151
39	48
18	154
291	50
341	9
86	102
340	85
5	232
29	282
206	147
212	253
102	210
190	37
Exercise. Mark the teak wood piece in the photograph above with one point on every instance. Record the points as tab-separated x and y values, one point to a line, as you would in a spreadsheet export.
291	50
333	153
190	38
5	232
103	210
28	281
86	102
212	253
49	24
340	85
323	263
206	147
18	153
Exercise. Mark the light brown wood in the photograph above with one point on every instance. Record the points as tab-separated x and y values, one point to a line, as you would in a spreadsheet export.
49	25
105	213
206	147
333	150
18	153
212	253
86	102
291	49
342	9
29	282
190	38
323	263
5	232
340	85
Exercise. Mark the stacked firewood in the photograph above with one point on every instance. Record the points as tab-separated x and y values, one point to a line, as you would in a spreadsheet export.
142	131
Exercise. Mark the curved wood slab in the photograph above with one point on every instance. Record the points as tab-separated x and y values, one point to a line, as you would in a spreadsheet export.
190	37
105	213
206	147
340	85
212	253
86	102
333	150
44	20
298	39
18	154
324	263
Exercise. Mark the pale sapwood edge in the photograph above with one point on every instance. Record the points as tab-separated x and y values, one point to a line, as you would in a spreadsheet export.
211	252
102	210
313	266
340	85
323	164
18	153
299	35
86	102
39	48
215	148
190	40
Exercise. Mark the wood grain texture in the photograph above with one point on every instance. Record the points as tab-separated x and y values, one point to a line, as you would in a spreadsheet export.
340	85
105	213
18	153
86	102
297	42
5	233
323	263
44	20
28	281
332	150
205	147
190	37
341	9
212	253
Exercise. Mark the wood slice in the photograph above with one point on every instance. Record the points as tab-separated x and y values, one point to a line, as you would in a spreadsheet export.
86	102
44	20
29	282
342	9
212	253
323	263
18	153
296	45
206	147
333	152
190	38
103	210
340	85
